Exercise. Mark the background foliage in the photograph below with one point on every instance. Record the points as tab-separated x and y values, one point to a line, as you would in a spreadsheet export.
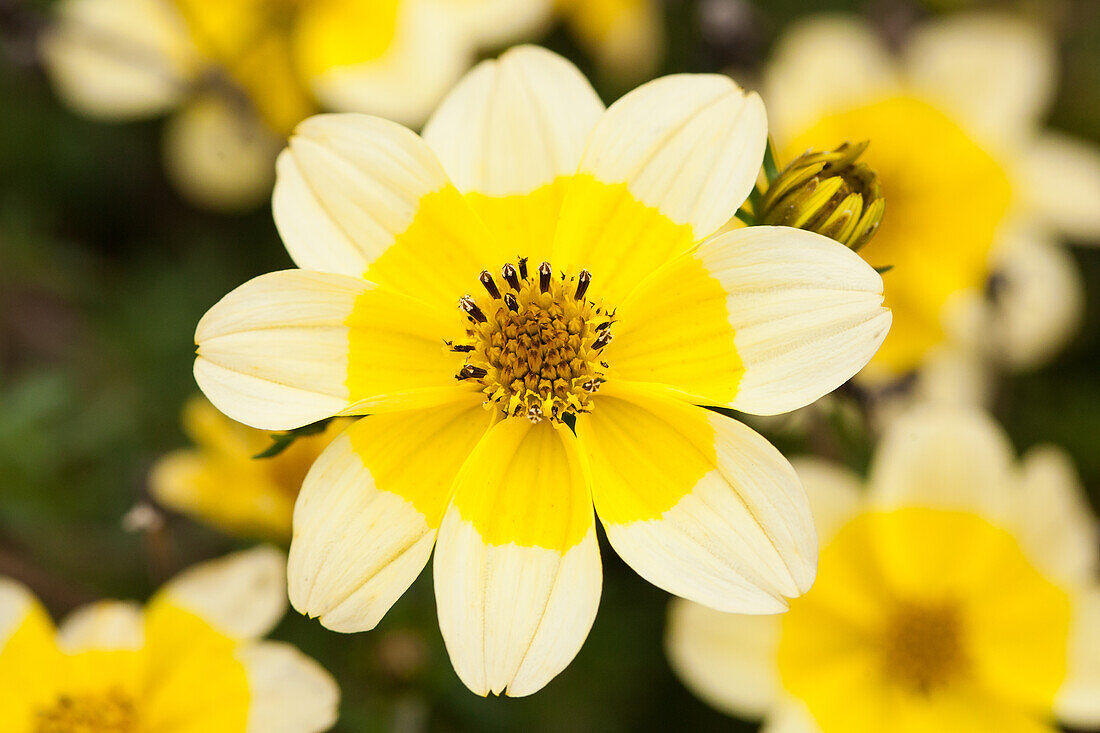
104	272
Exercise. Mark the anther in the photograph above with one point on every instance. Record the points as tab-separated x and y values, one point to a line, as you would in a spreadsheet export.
490	285
583	281
544	277
511	302
509	274
470	371
462	348
602	341
523	267
467	303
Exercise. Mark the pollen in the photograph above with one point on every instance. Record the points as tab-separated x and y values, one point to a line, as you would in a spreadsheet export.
534	341
923	645
109	712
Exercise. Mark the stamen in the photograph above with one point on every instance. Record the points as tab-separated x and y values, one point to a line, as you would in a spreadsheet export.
509	274
468	305
469	371
538	356
544	277
490	284
583	281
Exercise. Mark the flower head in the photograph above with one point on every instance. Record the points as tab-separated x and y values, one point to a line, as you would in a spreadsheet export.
960	593
829	192
191	659
262	494
535	266
243	73
976	191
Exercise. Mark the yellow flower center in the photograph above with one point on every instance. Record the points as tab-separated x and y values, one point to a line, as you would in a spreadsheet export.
946	197
110	712
923	644
534	342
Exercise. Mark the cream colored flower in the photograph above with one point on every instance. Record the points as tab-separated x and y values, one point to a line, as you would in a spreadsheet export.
536	261
243	72
960	593
976	191
191	661
221	482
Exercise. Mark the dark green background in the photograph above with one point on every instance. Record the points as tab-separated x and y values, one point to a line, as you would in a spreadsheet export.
104	272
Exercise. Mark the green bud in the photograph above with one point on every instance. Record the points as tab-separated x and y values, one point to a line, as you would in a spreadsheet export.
831	193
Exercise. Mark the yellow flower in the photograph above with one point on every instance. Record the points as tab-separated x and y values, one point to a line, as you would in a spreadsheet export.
535	259
625	36
191	660
976	191
960	593
220	482
244	72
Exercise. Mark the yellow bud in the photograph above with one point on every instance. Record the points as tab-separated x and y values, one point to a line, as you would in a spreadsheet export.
830	192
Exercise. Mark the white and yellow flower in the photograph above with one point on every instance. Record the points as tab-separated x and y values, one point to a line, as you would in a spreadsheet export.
221	482
243	72
191	661
976	191
463	290
959	593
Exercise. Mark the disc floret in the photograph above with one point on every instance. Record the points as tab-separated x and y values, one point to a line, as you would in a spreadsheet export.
534	341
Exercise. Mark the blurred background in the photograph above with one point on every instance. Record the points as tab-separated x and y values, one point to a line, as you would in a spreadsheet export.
105	270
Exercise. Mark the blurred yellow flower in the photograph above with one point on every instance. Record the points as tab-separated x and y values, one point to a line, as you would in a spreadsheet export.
976	191
244	72
961	593
626	37
426	298
191	660
220	482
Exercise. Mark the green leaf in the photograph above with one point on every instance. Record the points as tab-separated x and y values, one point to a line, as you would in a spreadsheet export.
282	441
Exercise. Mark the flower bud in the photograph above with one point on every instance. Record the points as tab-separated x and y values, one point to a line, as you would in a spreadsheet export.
831	193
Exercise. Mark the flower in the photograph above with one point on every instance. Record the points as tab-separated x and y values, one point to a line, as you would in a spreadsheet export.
191	659
221	481
960	593
625	36
977	192
243	72
536	261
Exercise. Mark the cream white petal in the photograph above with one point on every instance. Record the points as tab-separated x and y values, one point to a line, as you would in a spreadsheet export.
1055	522
497	22
512	617
790	716
806	313
1060	179
346	186
821	64
515	123
835	493
219	155
689	145
728	660
102	625
273	353
697	503
16	601
242	595
517	566
119	59
1078	701
366	519
944	457
425	58
996	71
289	692
1039	300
